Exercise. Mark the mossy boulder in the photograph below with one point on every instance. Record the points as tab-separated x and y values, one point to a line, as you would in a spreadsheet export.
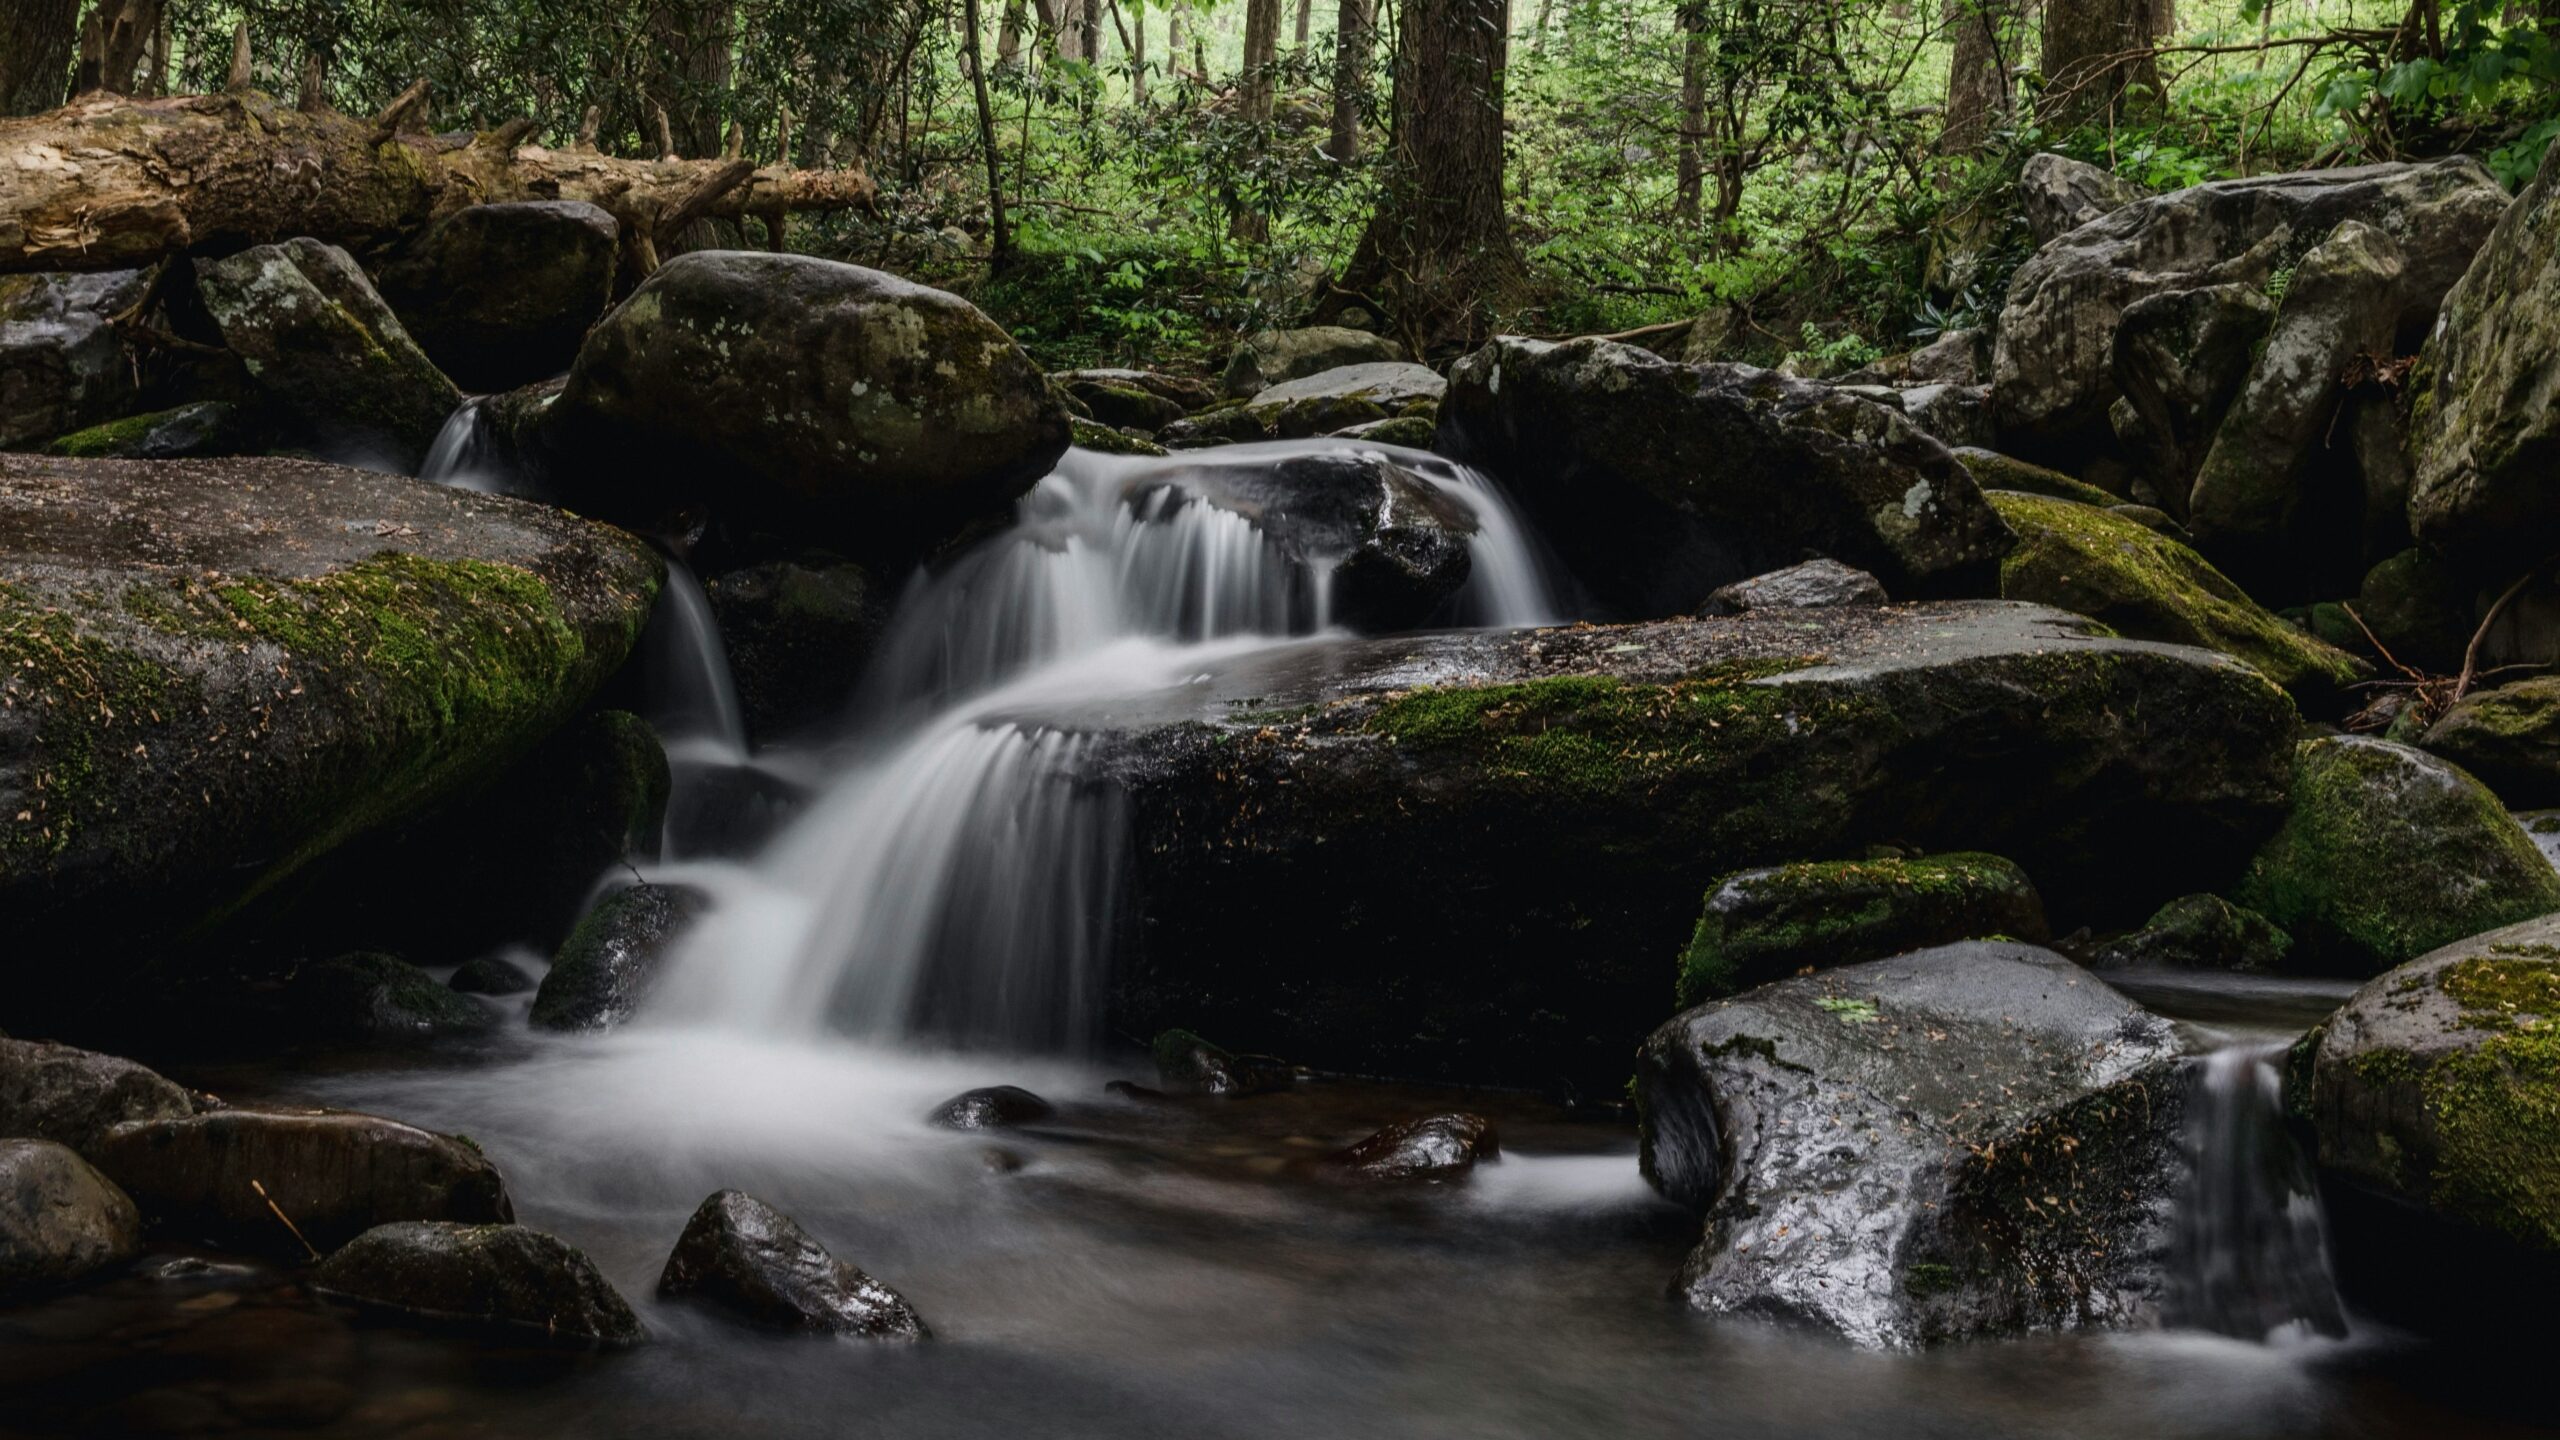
1414	432
822	400
1767	924
1096	436
217	671
370	997
2201	932
1331	400
1472	854
607	965
1995	471
1270	357
2181	357
2509	738
57	1092
2388	853
205	427
1139	399
499	295
798	634
2146	586
505	1281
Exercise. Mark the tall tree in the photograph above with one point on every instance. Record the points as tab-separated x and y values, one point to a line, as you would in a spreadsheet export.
2098	59
1438	251
1694	41
1984	36
36	41
694	46
1355	34
1306	21
1256	88
999	237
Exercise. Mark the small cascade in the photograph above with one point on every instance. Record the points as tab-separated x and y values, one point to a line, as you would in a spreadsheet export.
460	455
2251	1256
691	698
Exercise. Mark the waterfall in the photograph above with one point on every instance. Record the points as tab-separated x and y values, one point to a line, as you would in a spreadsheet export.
955	879
2251	1257
692	700
460	455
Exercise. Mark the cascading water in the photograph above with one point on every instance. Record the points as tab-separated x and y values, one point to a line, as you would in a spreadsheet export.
2251	1255
460	455
956	879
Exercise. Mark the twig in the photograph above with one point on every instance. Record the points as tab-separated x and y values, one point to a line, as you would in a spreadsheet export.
2471	652
307	1246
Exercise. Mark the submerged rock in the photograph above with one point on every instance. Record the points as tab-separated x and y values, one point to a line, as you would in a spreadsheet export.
204	428
751	1260
491	975
216	671
2389	853
60	1220
510	1282
326	352
1433	1148
54	1092
1968	1141
2509	738
1604	445
62	366
499	295
1269	357
1473	854
814	398
1813	585
798	634
221	1177
605	967
1764	925
2201	932
996	1107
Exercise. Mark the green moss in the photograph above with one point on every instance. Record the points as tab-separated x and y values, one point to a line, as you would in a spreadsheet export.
1926	1278
1994	471
113	438
1761	925
1094	435
2496	1104
91	694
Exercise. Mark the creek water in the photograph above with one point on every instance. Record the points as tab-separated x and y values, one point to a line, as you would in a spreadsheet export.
935	918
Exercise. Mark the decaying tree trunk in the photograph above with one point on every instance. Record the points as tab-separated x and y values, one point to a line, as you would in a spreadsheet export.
108	183
36	40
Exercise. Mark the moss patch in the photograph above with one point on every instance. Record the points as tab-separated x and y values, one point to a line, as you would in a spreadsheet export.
2496	1104
1994	471
1762	925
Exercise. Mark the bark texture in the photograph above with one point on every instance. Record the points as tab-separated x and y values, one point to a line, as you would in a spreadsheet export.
36	39
2095	52
1354	40
1983	39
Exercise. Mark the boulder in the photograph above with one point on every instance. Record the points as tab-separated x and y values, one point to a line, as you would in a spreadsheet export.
1766	924
1994	471
1310	845
1186	1064
60	1220
1432	1149
62	367
54	1092
504	1281
1139	398
2509	738
2484	432
1395	545
742	1256
2377	439
491	975
2180	358
2052	374
1813	585
1330	400
1095	436
805	396
2144	584
1957	357
2388	853
2437	1089
220	1177
369	997
216	671
1413	432
203	428
2270	502
798	633
607	965
2200	932
1229	424
332	361
996	1107
2419	607
1602	445
499	295
1953	414
1962	1142
2059	194
1269	357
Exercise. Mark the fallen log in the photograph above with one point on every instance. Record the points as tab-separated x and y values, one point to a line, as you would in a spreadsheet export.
108	182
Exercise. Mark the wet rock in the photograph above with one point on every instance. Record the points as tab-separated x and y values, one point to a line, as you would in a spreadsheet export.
1138	398
499	295
807	397
54	1092
491	975
2201	932
2387	854
62	367
1599	443
751	1260
329	357
334	1173
1967	1141
1994	471
1230	424
798	635
996	1107
2181	358
1763	925
2509	738
1096	436
2483	431
1434	1148
2052	374
2147	586
1269	357
1398	545
505	1281
261	660
372	997
606	966
204	428
1310	842
1189	1065
1414	432
2060	194
2419	607
1329	400
1813	585
60	1220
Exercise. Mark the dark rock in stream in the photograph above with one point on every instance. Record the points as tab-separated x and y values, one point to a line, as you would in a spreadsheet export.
505	1280
491	975
1974	1140
1397	544
605	967
798	634
203	428
1434	1148
1188	1065
745	1257
501	294
2200	932
334	1173
60	1220
997	1107
1766	924
371	997
54	1092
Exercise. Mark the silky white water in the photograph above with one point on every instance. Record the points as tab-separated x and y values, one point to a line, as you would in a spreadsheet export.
2251	1258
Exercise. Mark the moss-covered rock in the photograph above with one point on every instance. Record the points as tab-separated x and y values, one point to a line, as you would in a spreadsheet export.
2508	737
1331	400
1995	471
1136	398
2146	586
1412	431
501	294
1270	357
213	672
206	427
371	998
1094	435
2388	853
607	965
1763	925
2201	932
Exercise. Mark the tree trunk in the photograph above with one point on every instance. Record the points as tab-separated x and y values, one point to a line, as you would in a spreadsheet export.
1173	42
113	41
1092	23
1009	33
1255	91
1306	21
2095	51
694	42
1984	36
1354	38
1137	31
1438	252
37	38
999	238
1693	112
163	177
